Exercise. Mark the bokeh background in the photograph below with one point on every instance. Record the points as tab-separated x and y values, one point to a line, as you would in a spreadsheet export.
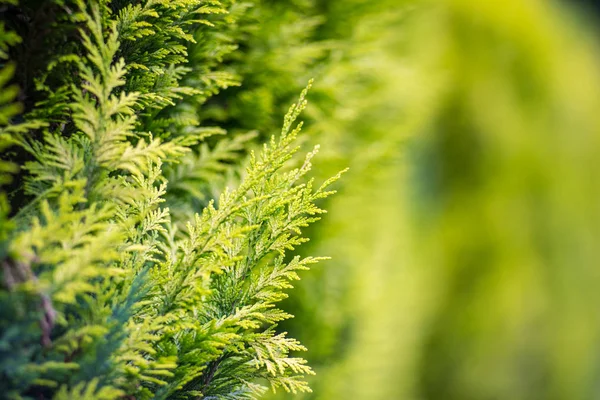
465	238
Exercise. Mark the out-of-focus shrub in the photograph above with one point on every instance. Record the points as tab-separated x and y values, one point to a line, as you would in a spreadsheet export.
464	246
505	199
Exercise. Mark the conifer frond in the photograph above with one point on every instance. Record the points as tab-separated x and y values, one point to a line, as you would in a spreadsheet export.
88	391
262	217
105	295
200	175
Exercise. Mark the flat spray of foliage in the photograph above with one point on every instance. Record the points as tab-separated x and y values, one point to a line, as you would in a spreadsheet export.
107	293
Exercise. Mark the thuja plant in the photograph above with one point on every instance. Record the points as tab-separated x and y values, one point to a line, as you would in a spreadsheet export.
106	292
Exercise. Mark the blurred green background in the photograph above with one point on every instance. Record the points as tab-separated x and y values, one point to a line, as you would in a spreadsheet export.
464	238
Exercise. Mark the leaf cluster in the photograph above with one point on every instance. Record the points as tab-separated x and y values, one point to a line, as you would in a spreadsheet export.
107	292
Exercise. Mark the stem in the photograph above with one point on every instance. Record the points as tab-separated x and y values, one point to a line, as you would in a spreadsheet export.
23	211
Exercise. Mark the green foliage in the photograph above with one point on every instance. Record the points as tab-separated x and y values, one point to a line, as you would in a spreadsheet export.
147	242
467	267
106	292
507	203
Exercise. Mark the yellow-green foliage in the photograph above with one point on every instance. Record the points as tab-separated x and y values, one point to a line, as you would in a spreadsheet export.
146	239
104	294
470	260
507	218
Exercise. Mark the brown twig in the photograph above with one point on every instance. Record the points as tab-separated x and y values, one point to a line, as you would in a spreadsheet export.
17	272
